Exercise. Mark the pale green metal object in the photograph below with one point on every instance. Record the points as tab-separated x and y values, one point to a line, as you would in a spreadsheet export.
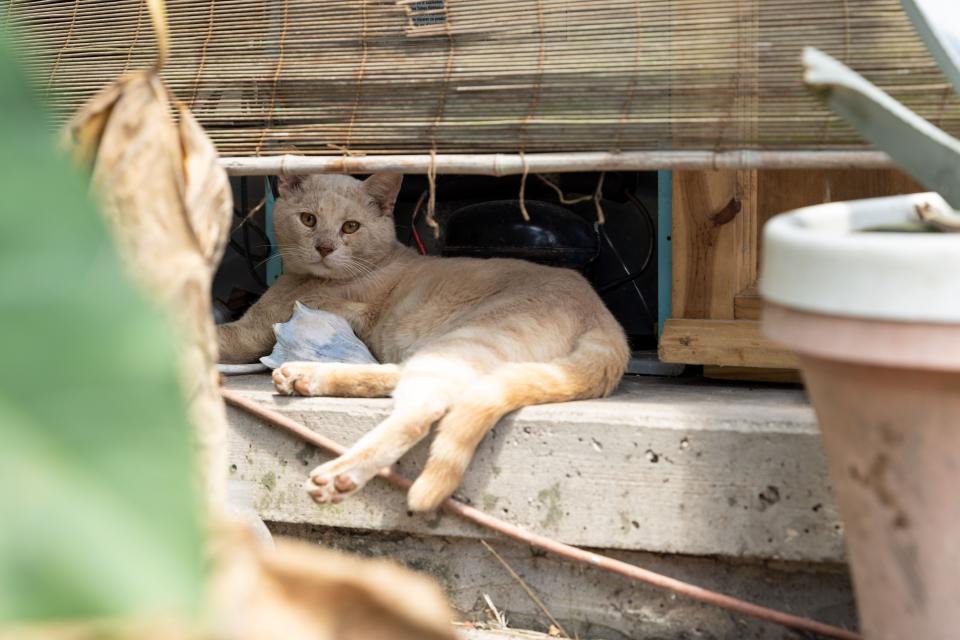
924	151
927	153
938	24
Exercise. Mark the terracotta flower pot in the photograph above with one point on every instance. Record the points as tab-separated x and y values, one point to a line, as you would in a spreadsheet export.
875	321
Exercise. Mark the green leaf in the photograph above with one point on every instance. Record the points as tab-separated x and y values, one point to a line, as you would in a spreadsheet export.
99	505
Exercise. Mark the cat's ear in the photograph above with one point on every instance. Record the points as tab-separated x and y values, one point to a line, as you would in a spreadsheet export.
289	184
384	187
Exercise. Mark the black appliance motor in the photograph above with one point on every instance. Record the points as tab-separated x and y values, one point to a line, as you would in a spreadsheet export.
553	236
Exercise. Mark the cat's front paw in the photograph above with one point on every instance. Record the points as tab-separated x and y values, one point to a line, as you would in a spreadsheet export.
300	378
334	481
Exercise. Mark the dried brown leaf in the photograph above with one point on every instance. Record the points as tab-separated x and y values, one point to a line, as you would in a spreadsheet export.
169	207
939	219
207	197
161	30
82	135
300	591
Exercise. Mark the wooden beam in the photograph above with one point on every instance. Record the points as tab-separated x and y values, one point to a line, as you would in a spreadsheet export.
748	305
753	374
714	241
722	342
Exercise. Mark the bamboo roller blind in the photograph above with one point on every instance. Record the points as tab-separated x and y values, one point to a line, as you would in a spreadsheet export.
480	76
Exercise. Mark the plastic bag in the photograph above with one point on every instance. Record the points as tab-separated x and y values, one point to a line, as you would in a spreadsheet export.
316	336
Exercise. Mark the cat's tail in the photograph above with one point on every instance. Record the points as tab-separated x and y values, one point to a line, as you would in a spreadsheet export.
591	370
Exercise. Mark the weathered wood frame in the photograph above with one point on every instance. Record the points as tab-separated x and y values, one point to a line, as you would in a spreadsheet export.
717	218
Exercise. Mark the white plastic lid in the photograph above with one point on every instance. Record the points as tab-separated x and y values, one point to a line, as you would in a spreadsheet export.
818	259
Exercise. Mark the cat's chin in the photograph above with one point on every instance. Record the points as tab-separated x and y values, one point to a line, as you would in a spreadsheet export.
327	272
318	270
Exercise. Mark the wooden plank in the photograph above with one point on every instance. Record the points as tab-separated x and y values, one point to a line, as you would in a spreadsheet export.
752	374
668	466
714	241
721	342
716	254
748	305
783	190
717	219
747	254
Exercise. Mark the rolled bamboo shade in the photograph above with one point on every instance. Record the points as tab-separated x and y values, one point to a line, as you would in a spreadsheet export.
334	77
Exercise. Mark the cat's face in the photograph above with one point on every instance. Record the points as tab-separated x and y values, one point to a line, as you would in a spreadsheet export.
334	226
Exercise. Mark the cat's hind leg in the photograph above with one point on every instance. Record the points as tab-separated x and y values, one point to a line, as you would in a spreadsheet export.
592	370
426	389
476	412
338	379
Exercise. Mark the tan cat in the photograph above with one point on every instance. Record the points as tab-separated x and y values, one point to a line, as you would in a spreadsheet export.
464	341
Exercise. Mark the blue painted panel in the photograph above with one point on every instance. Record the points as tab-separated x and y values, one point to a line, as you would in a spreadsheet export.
664	247
274	263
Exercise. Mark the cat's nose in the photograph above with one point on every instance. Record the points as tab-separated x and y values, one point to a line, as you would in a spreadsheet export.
324	250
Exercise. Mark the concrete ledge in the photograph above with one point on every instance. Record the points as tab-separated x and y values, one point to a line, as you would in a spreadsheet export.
595	605
665	465
500	634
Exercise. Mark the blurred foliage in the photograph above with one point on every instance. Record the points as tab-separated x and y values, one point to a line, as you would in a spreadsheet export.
99	504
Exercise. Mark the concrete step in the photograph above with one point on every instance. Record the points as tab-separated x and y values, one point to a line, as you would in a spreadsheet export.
466	633
680	466
593	604
719	484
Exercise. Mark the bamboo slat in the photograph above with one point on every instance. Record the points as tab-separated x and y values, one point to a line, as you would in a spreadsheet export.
501	164
377	77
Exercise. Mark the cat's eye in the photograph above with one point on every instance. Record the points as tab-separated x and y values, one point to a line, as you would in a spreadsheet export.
308	219
350	226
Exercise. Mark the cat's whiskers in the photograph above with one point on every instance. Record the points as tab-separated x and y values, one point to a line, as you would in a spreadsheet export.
363	275
363	261
368	267
266	260
361	269
289	251
366	271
